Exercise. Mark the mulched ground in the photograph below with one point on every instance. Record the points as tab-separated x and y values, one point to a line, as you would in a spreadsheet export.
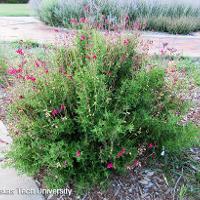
140	185
145	184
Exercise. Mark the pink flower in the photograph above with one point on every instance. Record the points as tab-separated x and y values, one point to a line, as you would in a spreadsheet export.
46	71
20	52
94	57
82	38
150	146
83	20
56	30
126	42
13	71
126	18
54	112
37	64
31	78
136	163
19	70
62	107
109	165
73	21
121	153
78	153
162	51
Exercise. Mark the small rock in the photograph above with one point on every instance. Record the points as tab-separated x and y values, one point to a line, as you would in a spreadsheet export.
117	192
150	173
143	182
130	190
147	179
37	182
150	185
144	195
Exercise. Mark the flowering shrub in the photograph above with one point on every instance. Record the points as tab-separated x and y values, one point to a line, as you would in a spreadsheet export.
84	118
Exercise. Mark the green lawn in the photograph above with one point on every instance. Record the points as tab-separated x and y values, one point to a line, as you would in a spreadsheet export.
14	10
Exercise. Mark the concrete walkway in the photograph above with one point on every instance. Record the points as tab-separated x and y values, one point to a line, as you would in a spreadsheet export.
29	28
12	185
26	28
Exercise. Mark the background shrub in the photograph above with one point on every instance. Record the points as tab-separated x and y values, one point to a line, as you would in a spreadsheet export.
173	18
84	119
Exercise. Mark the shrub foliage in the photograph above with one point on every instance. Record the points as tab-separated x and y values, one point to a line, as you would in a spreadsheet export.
84	118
